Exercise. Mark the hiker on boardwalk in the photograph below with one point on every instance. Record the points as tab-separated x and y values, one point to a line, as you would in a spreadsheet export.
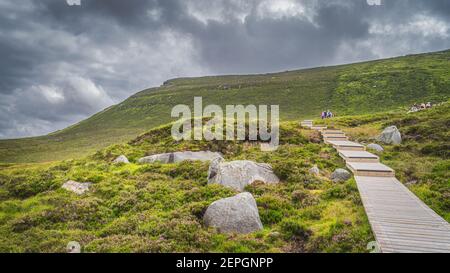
323	115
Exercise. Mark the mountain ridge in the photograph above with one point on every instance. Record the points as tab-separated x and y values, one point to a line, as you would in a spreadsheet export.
365	87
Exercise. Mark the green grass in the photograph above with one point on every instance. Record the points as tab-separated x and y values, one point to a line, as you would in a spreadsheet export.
361	88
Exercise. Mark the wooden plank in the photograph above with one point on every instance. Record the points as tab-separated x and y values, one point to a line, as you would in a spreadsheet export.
422	232
319	128
336	137
346	145
340	138
358	156
306	123
419	244
378	167
370	169
331	131
326	134
415	236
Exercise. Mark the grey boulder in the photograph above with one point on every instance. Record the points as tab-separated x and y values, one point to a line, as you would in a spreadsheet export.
162	158
340	175
314	170
391	135
238	214
76	187
121	159
180	156
375	147
195	156
238	174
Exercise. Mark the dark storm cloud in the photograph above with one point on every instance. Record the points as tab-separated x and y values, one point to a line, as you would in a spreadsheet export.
62	63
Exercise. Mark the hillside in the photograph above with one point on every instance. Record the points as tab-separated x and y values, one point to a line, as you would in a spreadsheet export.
159	207
348	89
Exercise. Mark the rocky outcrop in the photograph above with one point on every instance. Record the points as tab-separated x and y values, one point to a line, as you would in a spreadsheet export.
76	187
180	156
237	214
391	135
239	174
121	159
375	147
340	175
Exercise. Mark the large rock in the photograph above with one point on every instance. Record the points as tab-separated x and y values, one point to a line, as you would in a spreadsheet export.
375	147
180	156
237	214
195	156
391	135
162	158
340	175
76	187
239	174
121	159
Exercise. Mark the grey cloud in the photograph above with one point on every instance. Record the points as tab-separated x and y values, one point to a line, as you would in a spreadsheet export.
52	53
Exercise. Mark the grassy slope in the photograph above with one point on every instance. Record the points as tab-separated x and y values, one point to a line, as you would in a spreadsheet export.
158	208
349	89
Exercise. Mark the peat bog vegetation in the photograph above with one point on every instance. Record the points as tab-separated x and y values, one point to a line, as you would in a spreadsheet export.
159	207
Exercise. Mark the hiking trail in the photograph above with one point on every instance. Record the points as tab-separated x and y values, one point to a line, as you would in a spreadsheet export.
400	221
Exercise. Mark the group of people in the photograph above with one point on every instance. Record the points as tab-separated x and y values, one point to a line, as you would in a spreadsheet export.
326	114
419	107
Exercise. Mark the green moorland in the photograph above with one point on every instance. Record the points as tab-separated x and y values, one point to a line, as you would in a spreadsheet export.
361	88
159	208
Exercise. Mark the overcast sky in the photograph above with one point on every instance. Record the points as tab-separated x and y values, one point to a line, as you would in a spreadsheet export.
64	60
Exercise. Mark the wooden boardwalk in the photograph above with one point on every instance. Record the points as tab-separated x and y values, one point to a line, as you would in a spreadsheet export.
400	221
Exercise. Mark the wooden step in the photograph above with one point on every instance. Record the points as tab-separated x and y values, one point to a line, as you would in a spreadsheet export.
329	131
347	145
370	169
327	140
336	138
319	128
358	156
332	135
